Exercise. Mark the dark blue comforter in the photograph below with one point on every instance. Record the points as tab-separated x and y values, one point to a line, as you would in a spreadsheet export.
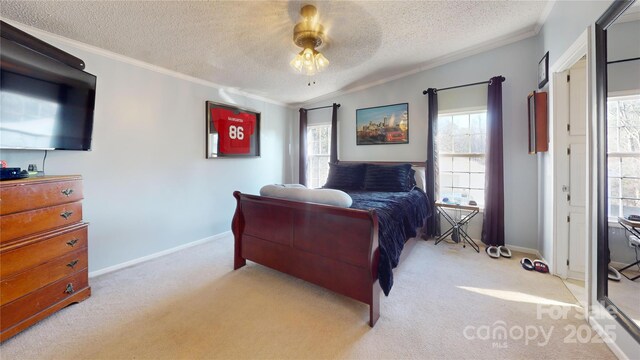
399	215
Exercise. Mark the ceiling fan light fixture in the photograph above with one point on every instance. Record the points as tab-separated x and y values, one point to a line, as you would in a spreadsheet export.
297	62
309	70
321	61
309	13
309	35
307	55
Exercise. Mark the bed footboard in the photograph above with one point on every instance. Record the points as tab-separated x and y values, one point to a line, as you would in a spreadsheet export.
336	248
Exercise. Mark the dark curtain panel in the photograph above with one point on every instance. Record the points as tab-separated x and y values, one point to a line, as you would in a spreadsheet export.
334	135
433	223
493	222
302	164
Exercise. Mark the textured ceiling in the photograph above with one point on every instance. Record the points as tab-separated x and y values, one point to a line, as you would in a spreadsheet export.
248	46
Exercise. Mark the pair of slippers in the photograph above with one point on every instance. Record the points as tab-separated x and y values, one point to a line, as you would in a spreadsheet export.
537	265
498	251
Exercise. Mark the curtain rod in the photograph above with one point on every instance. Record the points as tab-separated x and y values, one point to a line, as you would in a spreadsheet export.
424	92
623	60
321	107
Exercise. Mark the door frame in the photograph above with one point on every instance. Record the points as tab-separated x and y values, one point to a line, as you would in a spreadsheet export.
560	102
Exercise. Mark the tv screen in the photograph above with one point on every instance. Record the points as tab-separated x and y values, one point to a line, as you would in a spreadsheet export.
44	103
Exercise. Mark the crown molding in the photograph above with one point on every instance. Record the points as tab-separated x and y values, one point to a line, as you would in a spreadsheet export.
544	15
131	61
455	56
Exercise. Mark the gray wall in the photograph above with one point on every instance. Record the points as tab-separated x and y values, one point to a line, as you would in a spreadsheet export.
148	186
517	62
565	23
471	97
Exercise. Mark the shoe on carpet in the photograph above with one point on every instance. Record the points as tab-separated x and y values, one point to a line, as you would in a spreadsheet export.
613	274
527	264
493	251
540	266
504	252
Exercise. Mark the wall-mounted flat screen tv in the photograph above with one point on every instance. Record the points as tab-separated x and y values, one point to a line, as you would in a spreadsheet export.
44	103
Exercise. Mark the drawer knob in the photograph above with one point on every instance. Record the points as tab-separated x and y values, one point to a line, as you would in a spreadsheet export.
67	214
69	289
72	242
72	263
67	192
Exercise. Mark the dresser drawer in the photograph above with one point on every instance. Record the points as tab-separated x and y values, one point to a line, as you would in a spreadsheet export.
41	299
28	222
42	249
33	279
38	195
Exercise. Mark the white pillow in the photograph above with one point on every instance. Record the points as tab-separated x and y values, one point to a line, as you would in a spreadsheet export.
301	193
291	185
421	178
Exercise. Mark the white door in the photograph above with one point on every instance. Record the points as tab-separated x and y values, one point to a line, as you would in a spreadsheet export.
577	156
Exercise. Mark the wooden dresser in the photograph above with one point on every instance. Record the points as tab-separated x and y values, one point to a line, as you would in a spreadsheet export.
43	250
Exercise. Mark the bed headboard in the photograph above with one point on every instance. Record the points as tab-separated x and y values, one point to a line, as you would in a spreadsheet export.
420	178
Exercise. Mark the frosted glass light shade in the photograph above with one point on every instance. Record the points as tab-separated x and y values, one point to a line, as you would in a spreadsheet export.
309	62
321	61
297	62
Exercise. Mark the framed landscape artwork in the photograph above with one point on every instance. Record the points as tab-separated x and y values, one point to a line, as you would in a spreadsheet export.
381	125
232	131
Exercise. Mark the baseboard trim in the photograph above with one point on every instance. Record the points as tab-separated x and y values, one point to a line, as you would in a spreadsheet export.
606	338
526	251
146	258
521	249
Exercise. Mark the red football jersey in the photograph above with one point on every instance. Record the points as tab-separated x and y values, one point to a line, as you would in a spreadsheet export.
234	130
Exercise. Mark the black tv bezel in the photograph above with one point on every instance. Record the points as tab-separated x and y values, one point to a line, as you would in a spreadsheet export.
41	48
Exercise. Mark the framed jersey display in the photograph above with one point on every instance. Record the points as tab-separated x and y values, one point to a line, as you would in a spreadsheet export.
232	131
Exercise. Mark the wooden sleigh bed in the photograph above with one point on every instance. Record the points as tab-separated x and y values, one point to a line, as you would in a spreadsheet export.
336	248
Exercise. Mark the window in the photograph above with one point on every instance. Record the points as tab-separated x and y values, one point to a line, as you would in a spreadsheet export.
461	142
623	155
318	145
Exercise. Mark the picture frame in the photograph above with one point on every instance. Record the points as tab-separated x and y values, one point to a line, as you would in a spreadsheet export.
538	126
543	71
231	131
383	125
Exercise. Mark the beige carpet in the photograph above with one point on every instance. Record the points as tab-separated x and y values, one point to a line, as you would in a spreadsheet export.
625	294
191	305
577	288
